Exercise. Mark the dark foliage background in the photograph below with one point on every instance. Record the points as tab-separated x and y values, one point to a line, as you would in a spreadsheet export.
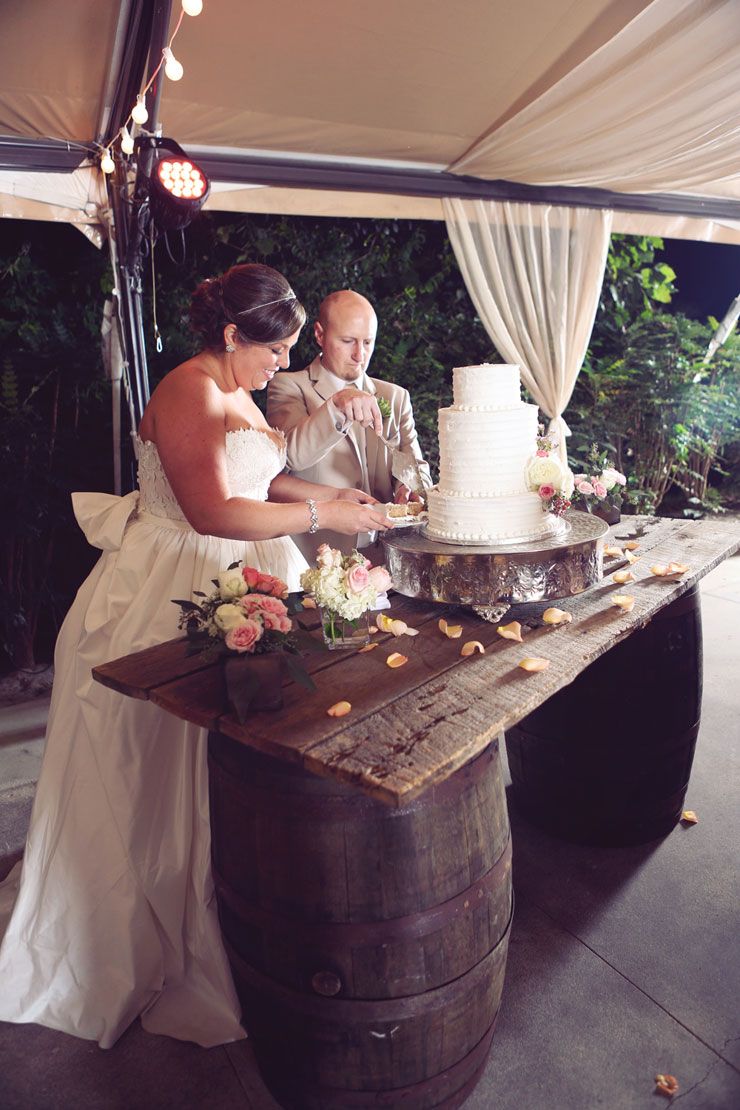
643	395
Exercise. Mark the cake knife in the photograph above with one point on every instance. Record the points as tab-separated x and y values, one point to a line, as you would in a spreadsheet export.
404	467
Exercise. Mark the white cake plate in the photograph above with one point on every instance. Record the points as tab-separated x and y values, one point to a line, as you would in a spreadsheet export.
491	579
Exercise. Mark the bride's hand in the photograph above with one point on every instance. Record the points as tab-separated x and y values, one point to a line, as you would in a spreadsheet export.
350	517
357	495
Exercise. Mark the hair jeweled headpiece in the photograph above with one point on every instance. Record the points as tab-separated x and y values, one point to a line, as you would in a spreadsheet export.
288	297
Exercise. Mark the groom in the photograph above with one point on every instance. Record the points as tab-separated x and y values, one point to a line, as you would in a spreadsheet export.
329	413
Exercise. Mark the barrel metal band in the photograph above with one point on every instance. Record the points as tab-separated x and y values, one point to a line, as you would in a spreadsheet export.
370	933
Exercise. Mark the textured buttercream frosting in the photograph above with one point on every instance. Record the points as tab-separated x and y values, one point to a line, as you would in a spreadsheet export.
485	440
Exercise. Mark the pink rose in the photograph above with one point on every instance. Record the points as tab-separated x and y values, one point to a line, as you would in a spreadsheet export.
541	454
277	622
324	556
251	576
357	578
269	604
269	584
251	603
599	489
584	487
244	637
380	579
546	492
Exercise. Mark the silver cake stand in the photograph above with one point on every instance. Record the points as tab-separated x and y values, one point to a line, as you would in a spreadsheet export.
492	579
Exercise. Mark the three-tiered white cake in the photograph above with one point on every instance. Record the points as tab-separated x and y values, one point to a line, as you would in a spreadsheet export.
486	438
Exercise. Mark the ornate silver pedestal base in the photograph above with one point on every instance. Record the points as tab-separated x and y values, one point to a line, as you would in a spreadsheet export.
490	579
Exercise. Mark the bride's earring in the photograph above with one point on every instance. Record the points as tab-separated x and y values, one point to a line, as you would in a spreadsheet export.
230	348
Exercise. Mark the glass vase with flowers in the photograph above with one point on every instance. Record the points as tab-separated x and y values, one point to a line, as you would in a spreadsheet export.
345	588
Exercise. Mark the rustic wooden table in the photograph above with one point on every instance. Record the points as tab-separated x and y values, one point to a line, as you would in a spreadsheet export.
363	863
411	727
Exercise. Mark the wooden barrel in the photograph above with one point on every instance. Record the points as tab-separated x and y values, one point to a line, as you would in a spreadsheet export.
607	759
367	943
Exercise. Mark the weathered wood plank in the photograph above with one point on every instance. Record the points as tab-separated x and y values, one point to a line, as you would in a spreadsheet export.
199	697
365	680
139	673
411	727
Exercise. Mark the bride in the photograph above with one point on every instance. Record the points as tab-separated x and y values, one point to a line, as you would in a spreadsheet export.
115	914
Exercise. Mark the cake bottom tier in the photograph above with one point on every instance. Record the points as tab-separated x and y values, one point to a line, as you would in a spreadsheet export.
486	520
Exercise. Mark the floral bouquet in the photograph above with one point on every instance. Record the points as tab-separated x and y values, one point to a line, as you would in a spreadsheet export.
546	475
247	616
602	485
344	587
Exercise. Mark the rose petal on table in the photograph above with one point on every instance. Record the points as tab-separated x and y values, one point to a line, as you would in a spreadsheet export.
453	631
689	817
398	627
673	568
630	557
367	647
532	664
512	631
614	552
621	576
556	616
372	629
632	545
623	601
412	631
395	659
339	709
471	647
666	1084
384	622
308	603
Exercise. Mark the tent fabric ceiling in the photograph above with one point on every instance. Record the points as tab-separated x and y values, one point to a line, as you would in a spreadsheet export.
399	82
396	79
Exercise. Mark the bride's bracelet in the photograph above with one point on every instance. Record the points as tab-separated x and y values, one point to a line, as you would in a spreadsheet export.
314	513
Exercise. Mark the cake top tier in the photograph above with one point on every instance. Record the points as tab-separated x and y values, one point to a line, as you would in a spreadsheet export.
490	386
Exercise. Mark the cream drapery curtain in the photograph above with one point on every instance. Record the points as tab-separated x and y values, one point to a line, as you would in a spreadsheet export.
534	274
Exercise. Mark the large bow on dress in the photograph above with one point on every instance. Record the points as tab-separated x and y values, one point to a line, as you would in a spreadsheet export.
103	517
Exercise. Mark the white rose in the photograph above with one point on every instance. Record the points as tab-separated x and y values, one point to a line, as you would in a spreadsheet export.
568	485
542	470
231	584
610	477
229	617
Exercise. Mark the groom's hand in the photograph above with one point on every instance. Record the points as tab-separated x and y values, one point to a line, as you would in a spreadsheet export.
359	407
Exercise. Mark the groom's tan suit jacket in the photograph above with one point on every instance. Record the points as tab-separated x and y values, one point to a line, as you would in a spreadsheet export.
322	449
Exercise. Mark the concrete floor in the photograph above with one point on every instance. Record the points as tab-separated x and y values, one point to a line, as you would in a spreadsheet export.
623	962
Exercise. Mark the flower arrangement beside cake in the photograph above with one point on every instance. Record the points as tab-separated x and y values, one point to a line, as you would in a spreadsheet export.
344	588
499	483
547	476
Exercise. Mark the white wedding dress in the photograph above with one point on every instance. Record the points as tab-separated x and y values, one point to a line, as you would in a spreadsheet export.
115	915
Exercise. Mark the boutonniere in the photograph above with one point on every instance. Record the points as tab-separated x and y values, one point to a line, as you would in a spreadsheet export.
385	407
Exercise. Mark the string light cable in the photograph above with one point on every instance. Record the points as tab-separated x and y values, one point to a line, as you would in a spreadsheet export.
139	115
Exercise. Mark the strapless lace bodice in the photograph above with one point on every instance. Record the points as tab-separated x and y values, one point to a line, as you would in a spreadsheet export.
253	458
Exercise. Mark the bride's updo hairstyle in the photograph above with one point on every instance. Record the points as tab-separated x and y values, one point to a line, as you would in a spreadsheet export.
256	298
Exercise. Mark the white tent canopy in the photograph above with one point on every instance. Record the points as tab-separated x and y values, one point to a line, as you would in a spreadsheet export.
504	117
349	108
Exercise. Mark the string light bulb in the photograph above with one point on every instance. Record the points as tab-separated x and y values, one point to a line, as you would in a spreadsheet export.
107	164
127	141
172	67
192	7
139	113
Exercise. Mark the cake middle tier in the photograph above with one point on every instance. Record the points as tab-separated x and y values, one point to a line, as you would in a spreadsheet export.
484	453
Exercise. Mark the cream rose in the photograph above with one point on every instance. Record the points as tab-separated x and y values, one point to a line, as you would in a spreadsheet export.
231	584
548	471
228	617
